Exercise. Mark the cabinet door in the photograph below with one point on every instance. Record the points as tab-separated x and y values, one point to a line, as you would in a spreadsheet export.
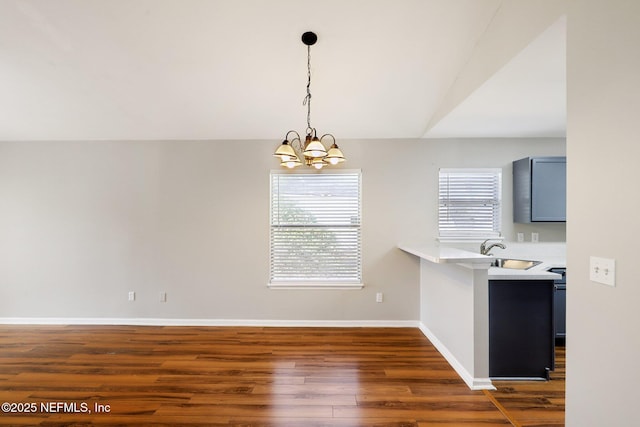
521	332
549	189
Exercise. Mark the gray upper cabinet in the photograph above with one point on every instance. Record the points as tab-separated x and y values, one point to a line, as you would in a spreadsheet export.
540	189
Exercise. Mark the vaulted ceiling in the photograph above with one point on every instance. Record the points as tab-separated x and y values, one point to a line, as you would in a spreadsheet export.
236	69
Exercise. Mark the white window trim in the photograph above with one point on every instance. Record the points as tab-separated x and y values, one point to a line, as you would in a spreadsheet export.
317	285
297	285
470	237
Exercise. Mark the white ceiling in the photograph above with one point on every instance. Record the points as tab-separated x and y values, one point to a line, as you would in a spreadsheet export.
525	98
236	69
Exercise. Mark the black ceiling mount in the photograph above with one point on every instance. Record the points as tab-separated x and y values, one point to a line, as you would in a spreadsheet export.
309	38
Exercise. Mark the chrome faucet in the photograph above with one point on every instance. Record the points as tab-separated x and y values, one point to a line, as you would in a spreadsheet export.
484	249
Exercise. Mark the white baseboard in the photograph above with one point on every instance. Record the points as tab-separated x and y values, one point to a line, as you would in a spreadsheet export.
205	322
470	380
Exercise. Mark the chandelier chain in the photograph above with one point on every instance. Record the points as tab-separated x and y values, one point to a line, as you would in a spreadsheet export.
307	99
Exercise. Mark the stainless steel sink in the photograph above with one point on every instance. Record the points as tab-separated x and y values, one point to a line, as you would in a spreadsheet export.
517	264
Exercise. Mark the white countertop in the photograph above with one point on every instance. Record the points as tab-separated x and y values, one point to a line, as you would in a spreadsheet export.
444	254
550	256
537	272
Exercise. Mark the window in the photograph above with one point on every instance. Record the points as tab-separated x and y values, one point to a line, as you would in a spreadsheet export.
469	204
315	229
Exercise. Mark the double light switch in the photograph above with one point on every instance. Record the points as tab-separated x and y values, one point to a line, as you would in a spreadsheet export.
602	270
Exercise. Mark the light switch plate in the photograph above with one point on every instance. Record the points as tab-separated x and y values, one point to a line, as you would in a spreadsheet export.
602	270
520	237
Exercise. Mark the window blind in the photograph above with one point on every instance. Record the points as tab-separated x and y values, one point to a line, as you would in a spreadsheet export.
315	228
469	203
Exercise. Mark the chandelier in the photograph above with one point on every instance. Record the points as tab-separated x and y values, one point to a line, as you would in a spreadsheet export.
312	151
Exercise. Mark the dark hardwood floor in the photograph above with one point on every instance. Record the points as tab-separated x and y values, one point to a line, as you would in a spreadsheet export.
249	376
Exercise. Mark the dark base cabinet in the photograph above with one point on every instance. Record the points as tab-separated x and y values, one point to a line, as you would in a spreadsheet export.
521	328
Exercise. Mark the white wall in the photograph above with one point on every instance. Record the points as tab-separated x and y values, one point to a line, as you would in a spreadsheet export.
603	341
83	223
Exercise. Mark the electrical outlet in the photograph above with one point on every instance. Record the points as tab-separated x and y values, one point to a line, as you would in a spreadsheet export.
132	296
520	237
379	297
602	270
535	237
163	297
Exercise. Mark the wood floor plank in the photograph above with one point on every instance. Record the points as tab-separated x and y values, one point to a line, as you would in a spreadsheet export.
329	389
250	376
279	399
427	413
273	411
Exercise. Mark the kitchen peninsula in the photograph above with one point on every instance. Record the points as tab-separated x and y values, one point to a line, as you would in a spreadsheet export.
454	304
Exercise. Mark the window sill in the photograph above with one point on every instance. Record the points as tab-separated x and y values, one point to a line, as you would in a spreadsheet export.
315	286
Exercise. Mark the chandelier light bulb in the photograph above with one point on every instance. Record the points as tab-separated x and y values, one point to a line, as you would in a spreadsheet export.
317	163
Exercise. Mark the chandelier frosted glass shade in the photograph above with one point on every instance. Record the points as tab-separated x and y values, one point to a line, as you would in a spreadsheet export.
315	149
291	163
334	155
285	151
